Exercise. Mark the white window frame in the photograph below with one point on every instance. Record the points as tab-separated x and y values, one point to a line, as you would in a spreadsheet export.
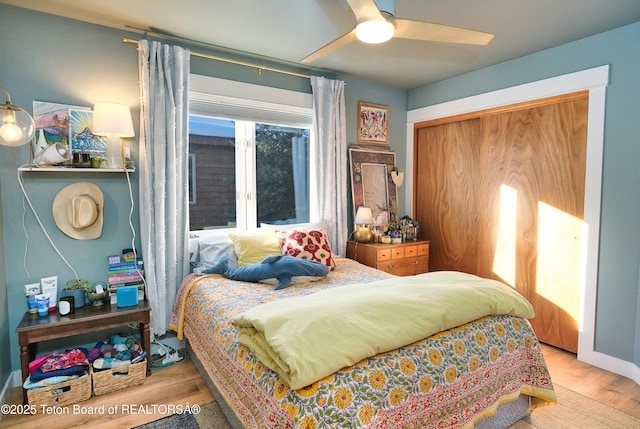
192	171
240	102
246	211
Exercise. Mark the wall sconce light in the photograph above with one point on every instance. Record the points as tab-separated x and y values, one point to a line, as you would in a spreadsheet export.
17	127
113	120
363	221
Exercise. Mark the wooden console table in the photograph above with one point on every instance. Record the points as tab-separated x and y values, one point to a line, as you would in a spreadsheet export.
34	329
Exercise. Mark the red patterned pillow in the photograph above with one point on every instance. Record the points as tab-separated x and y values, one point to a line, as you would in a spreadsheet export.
307	244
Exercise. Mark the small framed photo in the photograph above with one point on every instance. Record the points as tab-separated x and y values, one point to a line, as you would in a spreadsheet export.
373	123
82	139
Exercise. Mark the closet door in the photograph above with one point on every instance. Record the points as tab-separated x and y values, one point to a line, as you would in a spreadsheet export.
533	171
519	198
445	193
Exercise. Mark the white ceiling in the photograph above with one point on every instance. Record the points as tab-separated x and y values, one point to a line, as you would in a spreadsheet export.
289	30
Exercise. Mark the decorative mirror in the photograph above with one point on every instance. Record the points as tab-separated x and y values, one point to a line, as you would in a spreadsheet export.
371	183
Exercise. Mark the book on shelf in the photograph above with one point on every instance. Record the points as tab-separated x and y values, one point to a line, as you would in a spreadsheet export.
125	268
127	272
120	278
117	263
122	272
114	287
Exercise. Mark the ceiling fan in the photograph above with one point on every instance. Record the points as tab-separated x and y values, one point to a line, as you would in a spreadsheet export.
376	23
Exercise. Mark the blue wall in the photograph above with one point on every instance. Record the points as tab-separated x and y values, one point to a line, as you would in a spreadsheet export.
53	60
48	58
618	311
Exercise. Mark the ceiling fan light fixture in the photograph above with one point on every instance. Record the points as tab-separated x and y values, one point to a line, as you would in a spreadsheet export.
374	31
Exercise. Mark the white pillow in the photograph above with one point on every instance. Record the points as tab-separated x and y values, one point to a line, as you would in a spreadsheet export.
210	249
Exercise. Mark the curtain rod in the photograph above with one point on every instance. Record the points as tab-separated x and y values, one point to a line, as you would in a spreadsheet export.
228	60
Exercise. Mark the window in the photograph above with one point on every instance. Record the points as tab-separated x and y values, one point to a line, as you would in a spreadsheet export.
249	156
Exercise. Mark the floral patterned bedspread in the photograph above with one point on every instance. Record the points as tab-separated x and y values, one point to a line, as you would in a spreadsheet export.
449	380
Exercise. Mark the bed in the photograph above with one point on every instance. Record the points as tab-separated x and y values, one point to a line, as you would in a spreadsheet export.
487	372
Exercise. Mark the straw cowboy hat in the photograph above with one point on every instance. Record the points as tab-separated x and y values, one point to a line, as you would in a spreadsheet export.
77	210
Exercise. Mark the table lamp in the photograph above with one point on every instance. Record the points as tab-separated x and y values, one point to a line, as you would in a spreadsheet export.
363	221
17	126
112	120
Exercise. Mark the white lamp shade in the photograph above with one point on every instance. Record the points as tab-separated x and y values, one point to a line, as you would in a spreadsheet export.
112	119
363	216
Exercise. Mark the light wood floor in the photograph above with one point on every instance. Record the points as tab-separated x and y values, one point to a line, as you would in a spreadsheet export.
603	386
177	384
180	384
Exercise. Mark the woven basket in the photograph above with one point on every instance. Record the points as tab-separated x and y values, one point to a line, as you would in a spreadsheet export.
114	379
65	393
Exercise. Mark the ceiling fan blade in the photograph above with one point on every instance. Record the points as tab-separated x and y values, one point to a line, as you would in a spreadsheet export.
365	10
331	46
420	30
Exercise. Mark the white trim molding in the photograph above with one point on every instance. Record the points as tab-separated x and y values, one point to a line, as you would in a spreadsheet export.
12	381
595	80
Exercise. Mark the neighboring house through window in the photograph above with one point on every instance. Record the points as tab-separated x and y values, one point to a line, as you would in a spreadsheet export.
249	155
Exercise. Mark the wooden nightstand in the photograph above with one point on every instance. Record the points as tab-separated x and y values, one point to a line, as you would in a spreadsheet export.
404	259
33	328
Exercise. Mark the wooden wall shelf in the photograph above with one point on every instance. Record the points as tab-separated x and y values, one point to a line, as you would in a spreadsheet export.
34	169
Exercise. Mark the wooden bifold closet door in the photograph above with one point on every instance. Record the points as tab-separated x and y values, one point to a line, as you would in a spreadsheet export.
500	194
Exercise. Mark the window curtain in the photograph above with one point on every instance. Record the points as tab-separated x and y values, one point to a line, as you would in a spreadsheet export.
163	169
329	177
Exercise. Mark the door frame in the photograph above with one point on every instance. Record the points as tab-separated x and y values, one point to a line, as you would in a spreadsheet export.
594	80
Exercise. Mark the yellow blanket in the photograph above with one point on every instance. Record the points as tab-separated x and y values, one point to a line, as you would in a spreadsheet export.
307	338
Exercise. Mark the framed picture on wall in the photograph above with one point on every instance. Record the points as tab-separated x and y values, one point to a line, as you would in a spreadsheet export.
373	123
53	124
82	139
371	183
